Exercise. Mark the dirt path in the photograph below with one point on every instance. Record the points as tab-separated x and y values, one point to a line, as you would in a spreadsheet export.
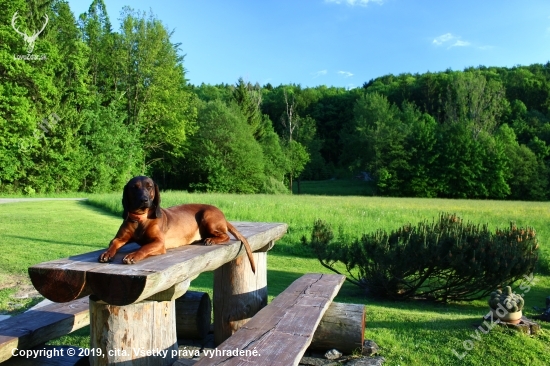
14	200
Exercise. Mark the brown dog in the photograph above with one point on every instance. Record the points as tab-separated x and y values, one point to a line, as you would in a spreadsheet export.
156	229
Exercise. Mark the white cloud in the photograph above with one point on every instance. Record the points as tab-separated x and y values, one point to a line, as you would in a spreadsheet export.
356	2
460	43
450	40
345	74
443	38
319	73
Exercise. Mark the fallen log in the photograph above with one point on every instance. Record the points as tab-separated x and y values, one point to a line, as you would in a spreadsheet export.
193	315
342	327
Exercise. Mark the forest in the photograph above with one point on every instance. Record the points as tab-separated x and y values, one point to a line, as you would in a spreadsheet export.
94	106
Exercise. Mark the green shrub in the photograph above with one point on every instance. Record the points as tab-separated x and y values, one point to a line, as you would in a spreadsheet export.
445	260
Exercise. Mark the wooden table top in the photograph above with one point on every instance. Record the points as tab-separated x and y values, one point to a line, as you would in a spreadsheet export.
116	283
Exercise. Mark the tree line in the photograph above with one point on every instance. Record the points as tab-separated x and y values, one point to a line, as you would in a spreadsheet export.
95	106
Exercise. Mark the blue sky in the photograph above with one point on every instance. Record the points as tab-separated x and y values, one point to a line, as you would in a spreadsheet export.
345	42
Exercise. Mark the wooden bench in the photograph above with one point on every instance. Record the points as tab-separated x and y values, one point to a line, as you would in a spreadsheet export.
36	327
280	333
132	307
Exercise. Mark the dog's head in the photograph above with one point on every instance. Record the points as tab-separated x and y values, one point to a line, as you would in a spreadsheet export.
140	195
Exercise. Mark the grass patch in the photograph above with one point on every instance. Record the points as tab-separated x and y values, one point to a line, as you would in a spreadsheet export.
409	333
34	232
334	187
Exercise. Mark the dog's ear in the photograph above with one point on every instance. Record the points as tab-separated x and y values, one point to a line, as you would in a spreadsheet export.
125	202
157	213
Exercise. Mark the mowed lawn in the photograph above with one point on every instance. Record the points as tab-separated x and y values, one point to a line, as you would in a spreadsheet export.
408	333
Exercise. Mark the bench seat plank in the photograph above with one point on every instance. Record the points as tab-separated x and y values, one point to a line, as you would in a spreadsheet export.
121	284
282	331
38	326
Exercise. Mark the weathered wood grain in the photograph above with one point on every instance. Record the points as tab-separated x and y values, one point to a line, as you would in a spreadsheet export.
120	284
35	327
147	326
342	327
283	330
239	294
173	292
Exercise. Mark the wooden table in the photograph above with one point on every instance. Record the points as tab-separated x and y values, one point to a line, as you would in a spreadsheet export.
132	308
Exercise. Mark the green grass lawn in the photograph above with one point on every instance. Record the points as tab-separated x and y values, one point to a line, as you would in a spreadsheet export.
408	333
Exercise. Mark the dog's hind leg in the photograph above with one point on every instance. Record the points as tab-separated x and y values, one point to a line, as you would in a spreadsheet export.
216	236
213	227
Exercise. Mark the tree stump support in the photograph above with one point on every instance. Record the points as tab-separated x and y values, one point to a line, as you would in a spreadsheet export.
143	333
239	293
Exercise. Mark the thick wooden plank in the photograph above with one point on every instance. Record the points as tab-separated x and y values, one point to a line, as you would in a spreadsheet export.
41	325
282	331
121	284
64	280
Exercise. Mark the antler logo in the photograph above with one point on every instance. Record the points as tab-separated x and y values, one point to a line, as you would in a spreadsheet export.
29	39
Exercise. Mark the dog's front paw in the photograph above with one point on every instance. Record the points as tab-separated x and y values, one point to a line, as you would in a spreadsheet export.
106	257
208	241
130	258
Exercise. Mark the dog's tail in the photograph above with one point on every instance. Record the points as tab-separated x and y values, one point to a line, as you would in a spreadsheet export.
239	236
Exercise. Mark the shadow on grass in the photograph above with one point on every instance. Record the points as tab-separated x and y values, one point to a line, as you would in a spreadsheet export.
401	323
56	242
16	305
99	208
277	282
409	314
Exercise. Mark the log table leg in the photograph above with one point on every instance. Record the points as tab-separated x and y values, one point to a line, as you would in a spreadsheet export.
239	293
142	333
